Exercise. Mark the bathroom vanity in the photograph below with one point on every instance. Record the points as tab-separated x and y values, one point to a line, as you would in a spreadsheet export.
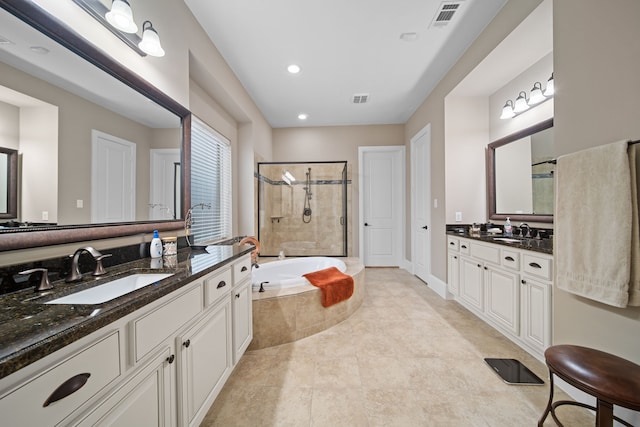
157	356
506	283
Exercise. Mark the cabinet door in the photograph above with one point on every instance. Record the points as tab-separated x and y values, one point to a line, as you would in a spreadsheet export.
242	319
471	286
502	297
536	313
453	273
143	400
205	362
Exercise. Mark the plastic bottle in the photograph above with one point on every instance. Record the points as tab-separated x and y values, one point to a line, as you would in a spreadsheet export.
155	249
508	230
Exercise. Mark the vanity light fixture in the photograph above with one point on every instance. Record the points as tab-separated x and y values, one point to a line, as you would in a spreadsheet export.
121	17
522	104
150	43
507	110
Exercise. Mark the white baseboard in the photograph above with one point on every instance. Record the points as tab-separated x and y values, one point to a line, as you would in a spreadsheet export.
434	283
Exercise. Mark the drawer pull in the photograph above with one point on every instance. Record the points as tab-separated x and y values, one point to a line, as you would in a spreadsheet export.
67	388
243	269
479	265
171	358
222	284
508	258
452	244
534	265
464	246
524	282
187	343
237	295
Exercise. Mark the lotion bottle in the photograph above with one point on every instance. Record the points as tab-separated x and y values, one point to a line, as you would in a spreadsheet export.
155	249
508	230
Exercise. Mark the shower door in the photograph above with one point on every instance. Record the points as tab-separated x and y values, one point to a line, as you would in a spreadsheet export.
302	208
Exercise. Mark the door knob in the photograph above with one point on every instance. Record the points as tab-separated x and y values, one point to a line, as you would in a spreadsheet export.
366	224
425	227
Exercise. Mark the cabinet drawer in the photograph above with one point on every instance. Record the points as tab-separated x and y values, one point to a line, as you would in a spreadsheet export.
489	253
217	285
465	247
453	244
156	326
241	270
511	259
537	266
75	381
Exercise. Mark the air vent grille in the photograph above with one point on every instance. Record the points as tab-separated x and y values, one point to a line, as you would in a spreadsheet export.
360	98
445	13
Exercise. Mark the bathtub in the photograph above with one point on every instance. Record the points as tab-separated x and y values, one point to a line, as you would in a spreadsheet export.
288	273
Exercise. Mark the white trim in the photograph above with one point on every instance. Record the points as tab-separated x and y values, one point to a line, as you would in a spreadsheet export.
392	148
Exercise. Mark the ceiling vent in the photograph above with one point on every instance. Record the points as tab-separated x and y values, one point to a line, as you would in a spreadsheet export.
360	98
445	13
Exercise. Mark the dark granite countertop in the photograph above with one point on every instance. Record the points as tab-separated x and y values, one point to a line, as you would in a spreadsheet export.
537	245
31	330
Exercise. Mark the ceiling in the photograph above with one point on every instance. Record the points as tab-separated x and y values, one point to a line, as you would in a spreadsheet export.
344	48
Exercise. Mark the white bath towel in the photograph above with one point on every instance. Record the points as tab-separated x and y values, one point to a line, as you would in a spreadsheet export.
592	242
634	282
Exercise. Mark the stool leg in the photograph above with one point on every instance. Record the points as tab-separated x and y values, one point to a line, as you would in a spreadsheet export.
548	408
604	414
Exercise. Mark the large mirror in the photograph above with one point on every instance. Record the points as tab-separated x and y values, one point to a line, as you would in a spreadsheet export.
99	149
520	171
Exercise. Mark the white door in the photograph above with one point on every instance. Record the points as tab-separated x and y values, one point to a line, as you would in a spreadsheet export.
164	200
381	205
420	207
113	178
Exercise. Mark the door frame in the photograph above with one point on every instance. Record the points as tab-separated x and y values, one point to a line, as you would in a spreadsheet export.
402	188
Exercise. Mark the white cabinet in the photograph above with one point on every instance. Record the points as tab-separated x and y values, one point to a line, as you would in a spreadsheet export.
144	399
242	318
536	313
502	297
471	283
453	273
205	354
509	288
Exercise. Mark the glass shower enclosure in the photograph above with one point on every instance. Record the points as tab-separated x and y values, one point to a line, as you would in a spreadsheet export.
302	208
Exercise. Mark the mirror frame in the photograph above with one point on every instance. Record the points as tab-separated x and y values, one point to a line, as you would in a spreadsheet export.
491	175
12	183
58	31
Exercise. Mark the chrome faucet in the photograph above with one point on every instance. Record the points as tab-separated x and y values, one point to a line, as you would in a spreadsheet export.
74	273
255	264
523	227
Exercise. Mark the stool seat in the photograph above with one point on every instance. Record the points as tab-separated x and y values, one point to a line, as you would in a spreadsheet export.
612	380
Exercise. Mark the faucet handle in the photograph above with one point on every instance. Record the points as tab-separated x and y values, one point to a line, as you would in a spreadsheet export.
99	271
44	284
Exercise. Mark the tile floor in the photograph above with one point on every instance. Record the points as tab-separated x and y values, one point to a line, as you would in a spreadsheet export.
405	358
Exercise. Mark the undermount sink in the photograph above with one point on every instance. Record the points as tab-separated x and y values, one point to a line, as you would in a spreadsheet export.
111	290
507	239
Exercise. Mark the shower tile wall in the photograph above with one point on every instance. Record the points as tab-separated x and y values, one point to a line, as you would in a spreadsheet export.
281	220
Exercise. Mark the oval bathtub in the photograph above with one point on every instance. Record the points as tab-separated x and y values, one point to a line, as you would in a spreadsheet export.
288	273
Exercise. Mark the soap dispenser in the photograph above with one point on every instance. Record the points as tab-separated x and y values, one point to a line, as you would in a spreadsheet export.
508	230
155	249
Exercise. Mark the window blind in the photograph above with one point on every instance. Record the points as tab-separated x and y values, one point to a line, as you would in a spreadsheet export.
210	183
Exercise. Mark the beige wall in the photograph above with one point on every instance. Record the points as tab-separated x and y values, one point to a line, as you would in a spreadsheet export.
597	58
432	111
335	143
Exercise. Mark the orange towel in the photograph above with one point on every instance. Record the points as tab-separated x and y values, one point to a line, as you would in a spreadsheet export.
335	285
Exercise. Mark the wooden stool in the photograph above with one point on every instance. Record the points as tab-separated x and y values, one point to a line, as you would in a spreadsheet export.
612	380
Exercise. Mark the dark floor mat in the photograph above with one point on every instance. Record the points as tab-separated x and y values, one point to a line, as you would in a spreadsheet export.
513	372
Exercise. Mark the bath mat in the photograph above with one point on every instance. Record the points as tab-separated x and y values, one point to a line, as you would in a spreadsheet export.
513	372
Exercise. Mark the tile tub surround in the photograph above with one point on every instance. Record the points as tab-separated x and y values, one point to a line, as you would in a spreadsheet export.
405	358
285	315
30	330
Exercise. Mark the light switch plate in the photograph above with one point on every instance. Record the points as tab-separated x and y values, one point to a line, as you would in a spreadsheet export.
458	216
79	203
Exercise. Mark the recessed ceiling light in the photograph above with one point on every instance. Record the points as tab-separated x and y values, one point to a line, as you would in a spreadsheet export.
409	37
293	69
303	116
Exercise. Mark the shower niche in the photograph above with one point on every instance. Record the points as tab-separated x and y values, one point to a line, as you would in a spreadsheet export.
302	208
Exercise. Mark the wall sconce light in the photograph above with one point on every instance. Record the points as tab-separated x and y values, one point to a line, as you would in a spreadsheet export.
522	104
119	20
121	17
